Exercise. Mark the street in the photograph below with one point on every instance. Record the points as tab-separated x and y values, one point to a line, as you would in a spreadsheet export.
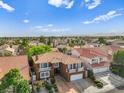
117	90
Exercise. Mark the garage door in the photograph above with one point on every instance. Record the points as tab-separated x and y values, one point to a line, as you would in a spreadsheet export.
97	70
76	77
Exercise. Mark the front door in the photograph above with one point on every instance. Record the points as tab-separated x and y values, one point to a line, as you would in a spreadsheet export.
56	71
56	68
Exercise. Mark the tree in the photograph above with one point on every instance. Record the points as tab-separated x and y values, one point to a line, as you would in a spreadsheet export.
23	46
12	80
2	42
17	42
91	75
101	40
63	50
22	87
118	58
42	39
36	50
117	66
49	41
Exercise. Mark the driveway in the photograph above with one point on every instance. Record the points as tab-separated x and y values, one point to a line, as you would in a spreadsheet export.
119	89
77	86
110	81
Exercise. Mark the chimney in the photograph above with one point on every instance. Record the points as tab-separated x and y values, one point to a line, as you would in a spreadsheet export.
36	57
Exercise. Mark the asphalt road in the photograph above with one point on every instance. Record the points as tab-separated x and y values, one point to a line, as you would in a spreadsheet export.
117	90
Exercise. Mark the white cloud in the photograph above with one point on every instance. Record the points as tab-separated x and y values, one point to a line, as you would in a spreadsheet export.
69	4
53	29
26	21
56	3
59	3
60	30
106	17
44	29
48	28
91	4
6	6
50	25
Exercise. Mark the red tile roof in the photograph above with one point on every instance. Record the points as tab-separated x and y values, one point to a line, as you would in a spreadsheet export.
115	48
90	52
55	57
19	62
101	64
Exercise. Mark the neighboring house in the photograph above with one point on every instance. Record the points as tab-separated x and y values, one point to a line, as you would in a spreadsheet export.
35	43
6	49
18	62
110	50
11	50
93	45
53	63
119	43
95	59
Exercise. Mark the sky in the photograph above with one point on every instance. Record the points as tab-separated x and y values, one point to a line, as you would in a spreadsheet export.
60	17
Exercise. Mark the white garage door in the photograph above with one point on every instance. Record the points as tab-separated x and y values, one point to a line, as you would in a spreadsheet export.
97	70
76	77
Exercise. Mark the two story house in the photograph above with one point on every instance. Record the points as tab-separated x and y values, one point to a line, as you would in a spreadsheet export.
95	59
54	63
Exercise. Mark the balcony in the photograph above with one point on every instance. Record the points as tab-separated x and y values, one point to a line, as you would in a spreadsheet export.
44	74
72	70
80	69
44	69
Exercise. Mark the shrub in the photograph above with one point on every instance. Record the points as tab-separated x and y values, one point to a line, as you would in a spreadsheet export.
91	75
39	85
55	87
99	85
97	81
48	86
53	80
51	91
93	78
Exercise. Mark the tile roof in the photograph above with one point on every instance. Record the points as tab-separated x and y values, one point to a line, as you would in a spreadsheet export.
19	62
90	52
101	64
54	57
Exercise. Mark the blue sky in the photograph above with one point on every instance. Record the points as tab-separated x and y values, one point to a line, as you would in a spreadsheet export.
60	17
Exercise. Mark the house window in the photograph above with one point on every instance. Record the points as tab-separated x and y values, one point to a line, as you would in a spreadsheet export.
44	65
100	59
71	66
56	65
94	61
79	65
44	74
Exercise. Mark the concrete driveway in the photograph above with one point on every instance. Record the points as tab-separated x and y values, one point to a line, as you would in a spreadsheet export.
119	89
77	86
110	81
